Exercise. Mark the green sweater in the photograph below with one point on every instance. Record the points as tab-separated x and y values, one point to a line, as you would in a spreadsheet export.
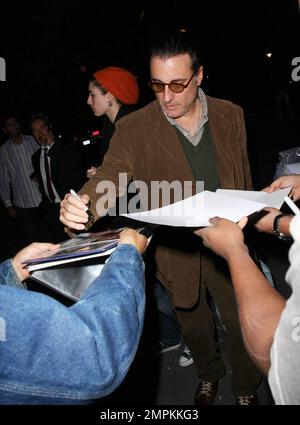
202	159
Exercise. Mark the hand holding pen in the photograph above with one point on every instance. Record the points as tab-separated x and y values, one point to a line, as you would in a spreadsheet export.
75	214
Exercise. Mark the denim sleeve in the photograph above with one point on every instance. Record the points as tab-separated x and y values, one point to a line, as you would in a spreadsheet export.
8	276
77	353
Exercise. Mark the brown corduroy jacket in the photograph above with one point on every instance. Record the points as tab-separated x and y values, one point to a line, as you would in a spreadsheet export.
147	148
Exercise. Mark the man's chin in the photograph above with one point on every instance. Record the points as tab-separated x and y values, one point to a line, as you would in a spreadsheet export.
172	113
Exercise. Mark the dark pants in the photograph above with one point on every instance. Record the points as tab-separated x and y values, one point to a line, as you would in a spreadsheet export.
198	331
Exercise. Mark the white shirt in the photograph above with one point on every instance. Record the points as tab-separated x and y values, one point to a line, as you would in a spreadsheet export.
284	374
16	186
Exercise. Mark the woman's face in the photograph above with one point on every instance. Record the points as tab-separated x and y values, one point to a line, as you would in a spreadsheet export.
97	101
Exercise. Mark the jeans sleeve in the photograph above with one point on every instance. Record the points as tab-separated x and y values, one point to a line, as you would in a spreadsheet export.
8	276
82	352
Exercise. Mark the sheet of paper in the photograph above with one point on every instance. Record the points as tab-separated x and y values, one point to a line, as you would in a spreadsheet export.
47	265
274	199
197	210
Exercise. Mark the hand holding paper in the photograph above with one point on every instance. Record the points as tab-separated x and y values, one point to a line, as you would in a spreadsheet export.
197	210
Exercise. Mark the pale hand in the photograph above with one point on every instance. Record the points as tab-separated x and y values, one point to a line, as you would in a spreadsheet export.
130	236
72	211
286	181
91	172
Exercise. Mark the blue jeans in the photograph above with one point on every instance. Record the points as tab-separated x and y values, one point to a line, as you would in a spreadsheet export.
51	354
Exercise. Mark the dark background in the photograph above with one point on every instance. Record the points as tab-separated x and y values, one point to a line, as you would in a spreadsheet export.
51	48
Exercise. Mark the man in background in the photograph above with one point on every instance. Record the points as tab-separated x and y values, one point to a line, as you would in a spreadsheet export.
58	168
18	189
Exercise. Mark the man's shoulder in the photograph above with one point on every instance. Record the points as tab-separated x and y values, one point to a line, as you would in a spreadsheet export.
5	144
222	105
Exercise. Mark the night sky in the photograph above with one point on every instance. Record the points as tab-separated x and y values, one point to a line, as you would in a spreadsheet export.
51	47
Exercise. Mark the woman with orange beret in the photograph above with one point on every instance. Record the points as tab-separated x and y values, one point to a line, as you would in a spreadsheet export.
113	92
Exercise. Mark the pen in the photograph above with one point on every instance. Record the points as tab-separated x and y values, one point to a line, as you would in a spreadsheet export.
86	209
77	197
292	205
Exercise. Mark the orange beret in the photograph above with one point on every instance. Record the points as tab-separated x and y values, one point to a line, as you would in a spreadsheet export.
119	82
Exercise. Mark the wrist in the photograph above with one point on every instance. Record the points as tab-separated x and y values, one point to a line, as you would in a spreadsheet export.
17	269
281	226
235	252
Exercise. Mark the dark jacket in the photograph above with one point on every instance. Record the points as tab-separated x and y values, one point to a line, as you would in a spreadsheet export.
66	167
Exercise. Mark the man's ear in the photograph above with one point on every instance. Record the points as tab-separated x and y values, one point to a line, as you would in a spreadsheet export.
4	130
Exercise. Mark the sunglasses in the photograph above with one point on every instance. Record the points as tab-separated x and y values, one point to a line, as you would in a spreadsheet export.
159	87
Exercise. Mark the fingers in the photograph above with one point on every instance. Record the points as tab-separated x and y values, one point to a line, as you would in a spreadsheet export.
130	236
242	223
214	220
268	189
44	246
78	203
91	172
72	212
73	223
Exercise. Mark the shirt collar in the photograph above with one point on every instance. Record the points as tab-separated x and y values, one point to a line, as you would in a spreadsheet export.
194	138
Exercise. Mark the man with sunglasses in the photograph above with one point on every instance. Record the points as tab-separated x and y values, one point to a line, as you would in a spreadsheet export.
183	136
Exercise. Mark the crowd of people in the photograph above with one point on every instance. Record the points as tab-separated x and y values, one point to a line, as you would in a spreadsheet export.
184	135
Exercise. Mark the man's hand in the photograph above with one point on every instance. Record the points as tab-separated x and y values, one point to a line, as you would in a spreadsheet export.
72	212
130	236
34	250
91	172
265	224
286	181
11	211
225	238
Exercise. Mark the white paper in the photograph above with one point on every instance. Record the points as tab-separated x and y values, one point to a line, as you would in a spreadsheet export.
274	199
50	264
197	210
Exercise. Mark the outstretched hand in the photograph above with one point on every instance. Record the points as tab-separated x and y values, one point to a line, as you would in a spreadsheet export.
286	181
31	251
130	236
224	237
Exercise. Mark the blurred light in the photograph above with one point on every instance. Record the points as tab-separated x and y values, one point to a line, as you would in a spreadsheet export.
96	133
269	54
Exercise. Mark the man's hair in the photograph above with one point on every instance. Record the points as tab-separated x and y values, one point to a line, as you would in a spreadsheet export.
7	117
175	43
40	116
